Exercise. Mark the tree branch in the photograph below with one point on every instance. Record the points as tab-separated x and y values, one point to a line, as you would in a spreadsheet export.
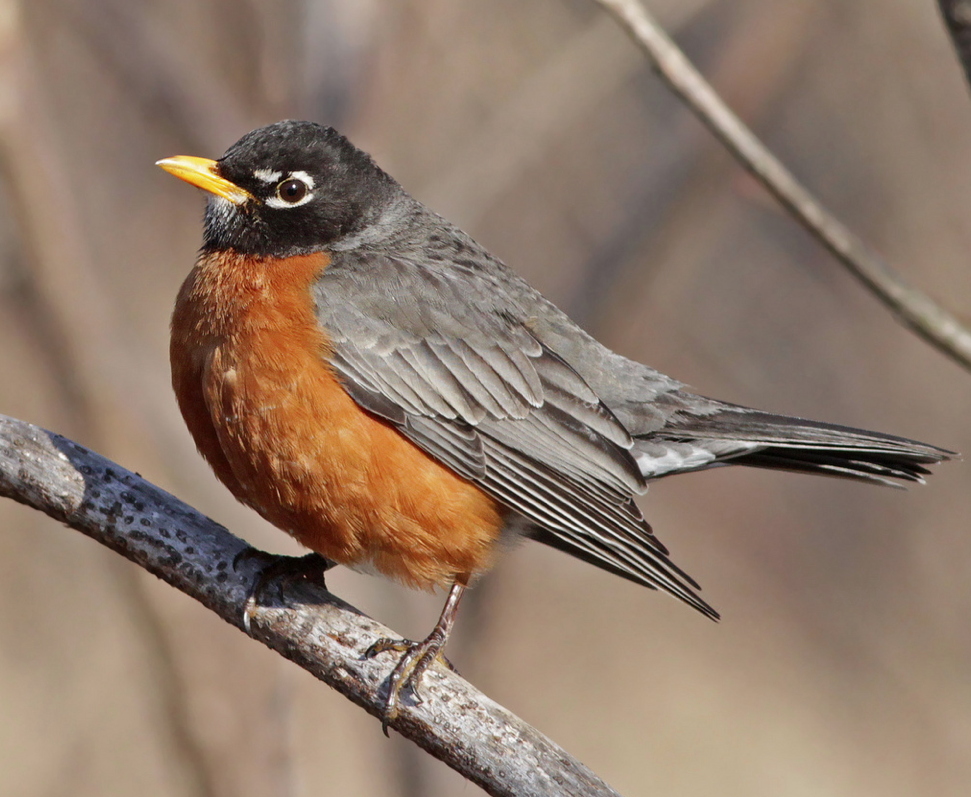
914	308
455	722
957	20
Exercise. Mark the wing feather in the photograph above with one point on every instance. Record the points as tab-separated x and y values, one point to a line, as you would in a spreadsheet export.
469	383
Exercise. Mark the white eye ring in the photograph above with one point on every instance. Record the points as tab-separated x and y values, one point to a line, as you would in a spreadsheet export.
298	181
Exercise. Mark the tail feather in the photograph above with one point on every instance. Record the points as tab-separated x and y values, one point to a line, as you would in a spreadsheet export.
739	436
835	465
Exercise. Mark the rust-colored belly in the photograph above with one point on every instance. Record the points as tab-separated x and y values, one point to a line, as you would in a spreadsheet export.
249	367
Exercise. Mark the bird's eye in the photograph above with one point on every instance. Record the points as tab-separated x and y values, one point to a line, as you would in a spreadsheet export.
292	191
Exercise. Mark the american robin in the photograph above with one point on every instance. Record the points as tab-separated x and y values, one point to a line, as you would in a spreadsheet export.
375	383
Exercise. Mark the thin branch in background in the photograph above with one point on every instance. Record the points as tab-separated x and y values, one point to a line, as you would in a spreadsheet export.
957	20
914	308
454	722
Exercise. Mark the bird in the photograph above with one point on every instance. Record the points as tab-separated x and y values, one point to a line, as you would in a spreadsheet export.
375	383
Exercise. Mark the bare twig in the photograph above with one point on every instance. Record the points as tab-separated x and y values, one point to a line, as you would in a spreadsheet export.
914	308
327	637
957	19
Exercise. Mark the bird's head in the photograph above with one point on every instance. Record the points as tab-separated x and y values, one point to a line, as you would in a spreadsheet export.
287	188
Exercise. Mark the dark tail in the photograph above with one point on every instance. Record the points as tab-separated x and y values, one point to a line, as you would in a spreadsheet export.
739	436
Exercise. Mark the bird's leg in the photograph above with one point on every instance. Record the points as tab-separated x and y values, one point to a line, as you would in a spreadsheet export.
284	570
417	656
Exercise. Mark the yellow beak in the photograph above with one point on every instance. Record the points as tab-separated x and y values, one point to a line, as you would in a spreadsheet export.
201	172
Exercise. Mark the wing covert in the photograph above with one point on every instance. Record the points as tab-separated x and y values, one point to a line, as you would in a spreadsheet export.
463	377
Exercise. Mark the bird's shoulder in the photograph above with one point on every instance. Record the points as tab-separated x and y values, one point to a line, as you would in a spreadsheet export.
430	280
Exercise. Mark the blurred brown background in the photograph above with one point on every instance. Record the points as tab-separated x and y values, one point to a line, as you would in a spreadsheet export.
843	663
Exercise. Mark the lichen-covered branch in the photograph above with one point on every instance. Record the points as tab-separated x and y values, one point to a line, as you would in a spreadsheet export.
327	637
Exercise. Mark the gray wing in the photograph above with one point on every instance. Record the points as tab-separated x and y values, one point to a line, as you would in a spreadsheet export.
676	431
444	356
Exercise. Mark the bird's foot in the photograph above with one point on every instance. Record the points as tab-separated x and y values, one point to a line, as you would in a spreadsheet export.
281	571
416	658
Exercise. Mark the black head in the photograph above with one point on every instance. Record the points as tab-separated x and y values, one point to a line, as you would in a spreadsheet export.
288	188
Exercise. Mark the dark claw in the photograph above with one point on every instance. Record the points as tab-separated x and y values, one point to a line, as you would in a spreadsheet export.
416	658
283	570
385	644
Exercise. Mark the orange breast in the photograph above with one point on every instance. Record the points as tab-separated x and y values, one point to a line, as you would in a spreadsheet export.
249	368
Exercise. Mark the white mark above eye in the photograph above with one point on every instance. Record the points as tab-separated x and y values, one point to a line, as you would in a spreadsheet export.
267	175
303	177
